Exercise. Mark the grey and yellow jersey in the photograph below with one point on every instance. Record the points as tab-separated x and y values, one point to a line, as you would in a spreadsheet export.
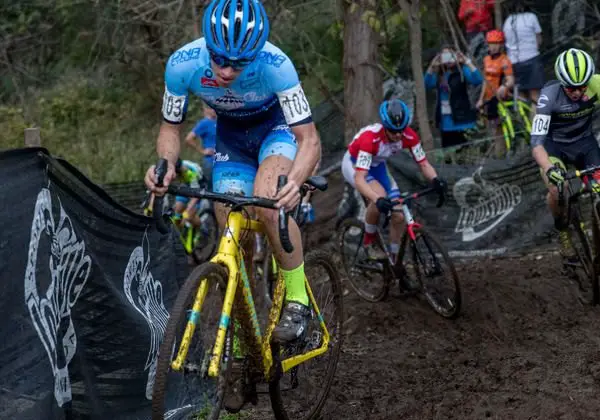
562	120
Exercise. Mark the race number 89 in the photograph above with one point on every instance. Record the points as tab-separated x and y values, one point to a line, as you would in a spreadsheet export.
540	125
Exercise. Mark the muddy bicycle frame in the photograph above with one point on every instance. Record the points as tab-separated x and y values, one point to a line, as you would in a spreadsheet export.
229	255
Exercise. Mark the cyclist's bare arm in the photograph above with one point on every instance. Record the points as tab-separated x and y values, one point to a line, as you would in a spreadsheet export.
168	143
167	147
307	157
481	94
427	170
194	142
315	171
509	82
541	157
540	127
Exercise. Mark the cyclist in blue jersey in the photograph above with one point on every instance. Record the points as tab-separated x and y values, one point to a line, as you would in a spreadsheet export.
264	128
202	138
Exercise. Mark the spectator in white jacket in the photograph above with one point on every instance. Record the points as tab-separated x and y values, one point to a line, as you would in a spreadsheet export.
523	39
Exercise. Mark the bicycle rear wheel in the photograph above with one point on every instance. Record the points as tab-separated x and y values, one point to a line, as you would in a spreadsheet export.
369	279
302	391
205	245
191	393
430	264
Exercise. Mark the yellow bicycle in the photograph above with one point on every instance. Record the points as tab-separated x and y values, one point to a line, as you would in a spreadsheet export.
194	371
514	120
514	116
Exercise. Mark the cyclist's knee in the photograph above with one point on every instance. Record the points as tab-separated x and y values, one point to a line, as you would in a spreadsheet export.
397	218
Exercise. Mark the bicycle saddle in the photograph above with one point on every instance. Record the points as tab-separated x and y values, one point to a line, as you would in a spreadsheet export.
318	182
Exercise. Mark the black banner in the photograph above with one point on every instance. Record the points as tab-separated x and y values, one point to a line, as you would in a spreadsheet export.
85	289
494	208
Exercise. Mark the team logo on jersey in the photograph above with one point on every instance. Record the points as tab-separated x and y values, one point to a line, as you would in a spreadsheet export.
206	82
185	55
275	60
229	101
255	97
221	157
208	73
483	205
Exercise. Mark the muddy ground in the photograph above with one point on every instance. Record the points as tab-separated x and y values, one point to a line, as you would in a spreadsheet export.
524	347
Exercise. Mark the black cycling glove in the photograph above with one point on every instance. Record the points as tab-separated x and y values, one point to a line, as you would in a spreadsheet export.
384	205
441	187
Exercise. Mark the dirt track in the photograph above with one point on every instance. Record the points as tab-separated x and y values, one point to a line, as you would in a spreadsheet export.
523	348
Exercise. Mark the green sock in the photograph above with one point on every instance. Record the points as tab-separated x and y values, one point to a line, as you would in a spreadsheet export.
294	285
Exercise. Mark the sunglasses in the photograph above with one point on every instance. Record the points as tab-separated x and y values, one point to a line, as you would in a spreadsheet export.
394	132
575	89
221	61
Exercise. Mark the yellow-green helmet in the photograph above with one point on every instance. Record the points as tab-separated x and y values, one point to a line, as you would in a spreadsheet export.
574	67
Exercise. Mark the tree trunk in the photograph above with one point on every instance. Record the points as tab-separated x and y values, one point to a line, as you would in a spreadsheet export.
411	9
498	14
363	91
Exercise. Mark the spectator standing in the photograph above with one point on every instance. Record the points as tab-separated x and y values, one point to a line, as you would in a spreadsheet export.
203	139
523	35
477	16
450	72
497	86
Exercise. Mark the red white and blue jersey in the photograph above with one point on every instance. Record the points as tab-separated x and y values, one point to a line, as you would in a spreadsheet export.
370	146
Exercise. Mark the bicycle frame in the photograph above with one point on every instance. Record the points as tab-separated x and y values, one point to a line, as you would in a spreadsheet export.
229	255
508	130
411	224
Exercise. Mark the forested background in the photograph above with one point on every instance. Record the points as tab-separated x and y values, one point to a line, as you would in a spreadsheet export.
89	73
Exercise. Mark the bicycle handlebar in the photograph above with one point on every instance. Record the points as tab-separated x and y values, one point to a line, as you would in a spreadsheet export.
160	171
407	198
571	175
235	201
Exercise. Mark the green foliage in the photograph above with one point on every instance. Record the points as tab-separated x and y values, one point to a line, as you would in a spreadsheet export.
90	73
13	123
97	127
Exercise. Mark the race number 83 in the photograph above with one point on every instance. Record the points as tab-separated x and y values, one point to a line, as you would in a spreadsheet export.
540	125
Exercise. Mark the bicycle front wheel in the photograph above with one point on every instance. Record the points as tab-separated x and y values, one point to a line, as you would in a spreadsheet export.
190	393
369	279
302	391
582	270
434	270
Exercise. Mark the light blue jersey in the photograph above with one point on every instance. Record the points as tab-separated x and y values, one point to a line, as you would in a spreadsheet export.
269	80
255	112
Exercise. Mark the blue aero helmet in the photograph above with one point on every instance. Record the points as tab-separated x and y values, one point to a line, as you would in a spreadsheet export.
235	30
394	114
